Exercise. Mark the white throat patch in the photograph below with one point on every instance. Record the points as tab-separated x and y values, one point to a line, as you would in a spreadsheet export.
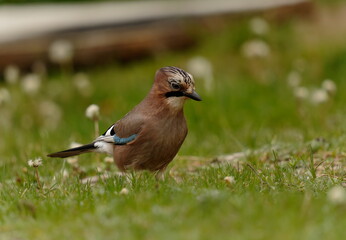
176	103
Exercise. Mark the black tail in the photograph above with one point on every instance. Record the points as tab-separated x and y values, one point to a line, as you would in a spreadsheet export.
73	151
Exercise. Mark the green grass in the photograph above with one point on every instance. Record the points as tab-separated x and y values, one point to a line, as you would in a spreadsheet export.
280	184
201	207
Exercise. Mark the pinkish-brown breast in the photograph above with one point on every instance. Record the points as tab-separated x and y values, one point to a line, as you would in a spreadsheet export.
155	146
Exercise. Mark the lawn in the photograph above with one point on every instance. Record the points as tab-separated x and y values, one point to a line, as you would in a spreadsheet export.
264	158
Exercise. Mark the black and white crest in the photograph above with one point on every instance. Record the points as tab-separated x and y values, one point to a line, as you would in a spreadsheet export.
186	77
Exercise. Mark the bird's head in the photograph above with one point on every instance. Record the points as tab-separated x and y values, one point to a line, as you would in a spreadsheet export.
175	85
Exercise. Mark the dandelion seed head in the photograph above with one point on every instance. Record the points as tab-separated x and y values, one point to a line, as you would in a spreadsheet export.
31	83
31	163
255	49
93	112
11	74
319	96
329	86
293	79
5	96
50	113
61	51
201	67
301	93
35	163
259	26
82	83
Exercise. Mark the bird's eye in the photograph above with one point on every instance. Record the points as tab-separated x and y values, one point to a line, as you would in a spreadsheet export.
175	86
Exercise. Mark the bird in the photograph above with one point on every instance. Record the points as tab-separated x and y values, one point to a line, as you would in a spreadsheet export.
150	135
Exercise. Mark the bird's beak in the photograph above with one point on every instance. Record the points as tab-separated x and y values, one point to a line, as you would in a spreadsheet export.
193	96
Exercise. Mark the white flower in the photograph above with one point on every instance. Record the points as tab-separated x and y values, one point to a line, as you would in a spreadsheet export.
11	74
255	48
259	26
82	83
124	191
337	195
61	51
108	160
301	93
35	163
5	96
319	96
93	112
329	86
293	79
229	180
202	68
31	83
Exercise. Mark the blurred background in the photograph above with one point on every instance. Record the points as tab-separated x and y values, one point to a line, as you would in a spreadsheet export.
265	154
270	72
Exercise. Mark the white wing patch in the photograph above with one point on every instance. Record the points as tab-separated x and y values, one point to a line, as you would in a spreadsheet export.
105	142
104	147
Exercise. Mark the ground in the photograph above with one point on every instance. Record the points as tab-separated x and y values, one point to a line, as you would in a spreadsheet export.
264	157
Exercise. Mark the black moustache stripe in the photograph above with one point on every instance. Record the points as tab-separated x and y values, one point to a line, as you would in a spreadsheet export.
174	94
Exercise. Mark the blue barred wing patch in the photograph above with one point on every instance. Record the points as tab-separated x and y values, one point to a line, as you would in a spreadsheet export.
122	141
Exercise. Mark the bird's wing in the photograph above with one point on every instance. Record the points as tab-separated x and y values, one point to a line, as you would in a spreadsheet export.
123	131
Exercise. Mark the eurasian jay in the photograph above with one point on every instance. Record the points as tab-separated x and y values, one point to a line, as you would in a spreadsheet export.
150	135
